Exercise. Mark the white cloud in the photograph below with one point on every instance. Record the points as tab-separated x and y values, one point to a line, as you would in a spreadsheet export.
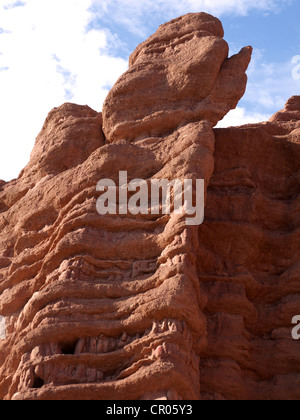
50	54
240	116
135	15
270	84
47	57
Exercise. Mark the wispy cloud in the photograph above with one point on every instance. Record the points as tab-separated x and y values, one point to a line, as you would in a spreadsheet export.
53	51
48	55
270	84
241	116
11	4
136	15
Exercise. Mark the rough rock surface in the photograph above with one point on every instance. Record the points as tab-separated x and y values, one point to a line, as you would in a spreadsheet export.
181	74
146	307
249	261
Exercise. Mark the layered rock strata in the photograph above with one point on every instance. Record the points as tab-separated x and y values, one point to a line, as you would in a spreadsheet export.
144	306
248	261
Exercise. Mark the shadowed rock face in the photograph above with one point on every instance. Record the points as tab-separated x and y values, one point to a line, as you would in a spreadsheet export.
248	261
146	307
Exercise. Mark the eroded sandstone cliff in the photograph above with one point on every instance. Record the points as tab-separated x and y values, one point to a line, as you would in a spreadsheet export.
145	307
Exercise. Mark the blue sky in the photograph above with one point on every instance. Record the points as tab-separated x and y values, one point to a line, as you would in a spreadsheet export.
56	51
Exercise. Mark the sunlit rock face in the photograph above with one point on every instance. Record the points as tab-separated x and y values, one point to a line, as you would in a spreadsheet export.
146	307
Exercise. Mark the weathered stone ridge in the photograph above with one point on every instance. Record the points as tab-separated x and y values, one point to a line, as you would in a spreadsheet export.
181	74
146	307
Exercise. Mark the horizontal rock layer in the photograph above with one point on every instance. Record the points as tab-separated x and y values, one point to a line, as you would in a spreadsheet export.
146	307
248	263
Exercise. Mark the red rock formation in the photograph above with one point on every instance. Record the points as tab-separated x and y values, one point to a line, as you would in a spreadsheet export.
249	261
181	74
146	307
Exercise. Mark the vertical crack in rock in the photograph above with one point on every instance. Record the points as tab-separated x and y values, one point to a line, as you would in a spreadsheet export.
120	306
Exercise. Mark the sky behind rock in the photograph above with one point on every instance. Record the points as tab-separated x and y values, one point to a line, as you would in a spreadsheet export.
56	51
